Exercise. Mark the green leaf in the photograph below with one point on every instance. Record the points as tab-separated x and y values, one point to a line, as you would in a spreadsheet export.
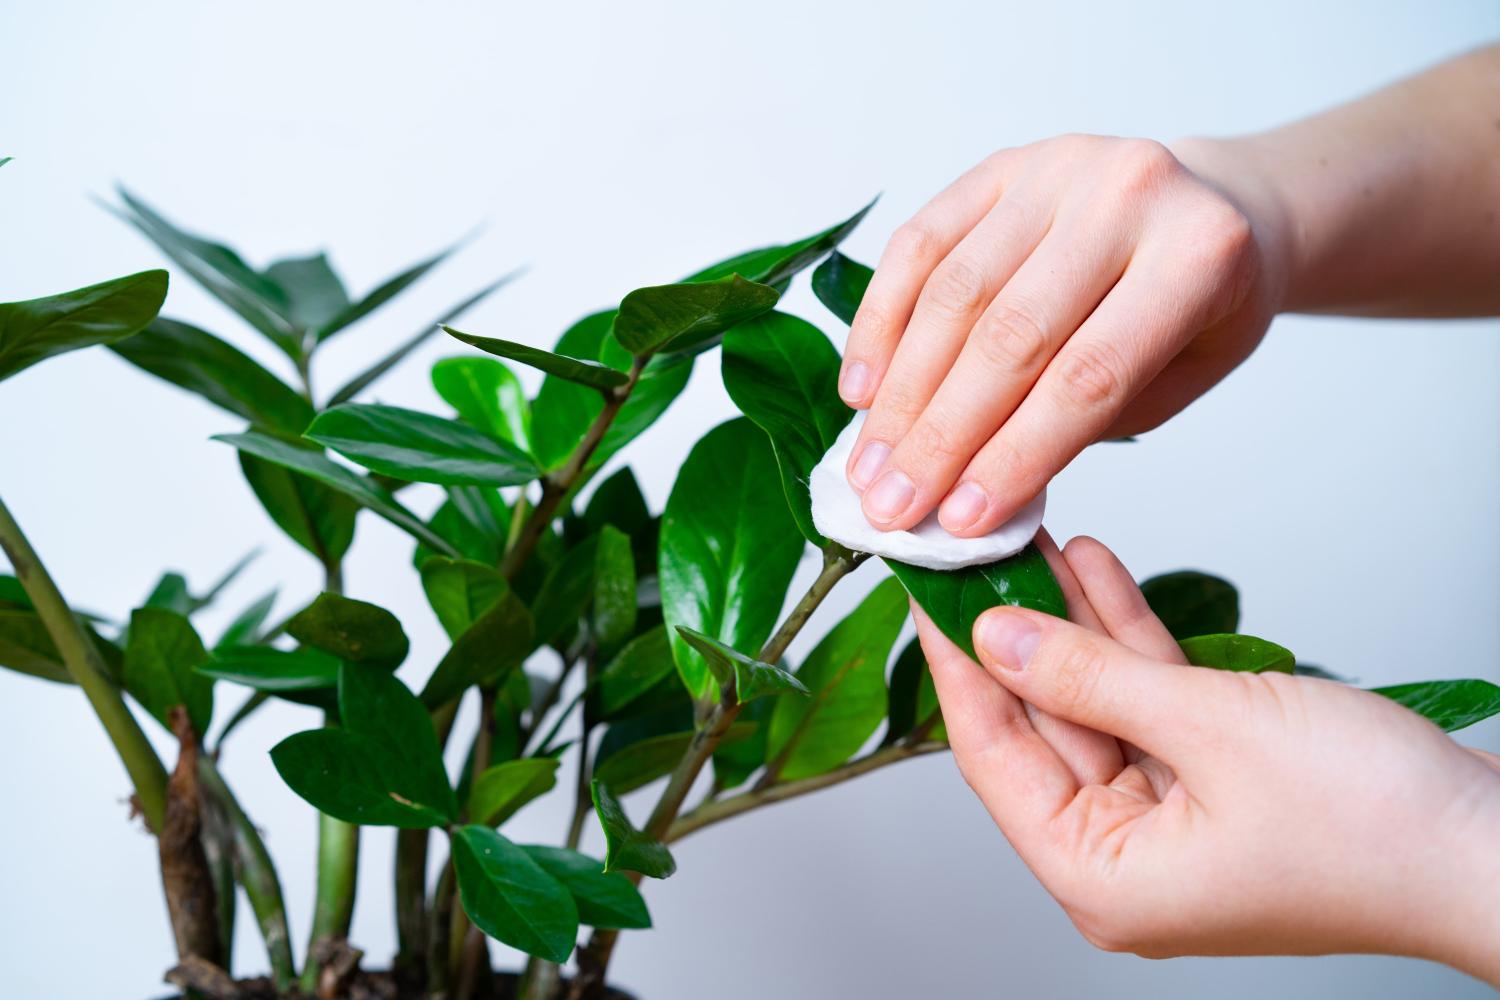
734	763
5	159
566	592
383	293
563	410
171	594
729	547
246	628
745	677
783	373
1452	705
272	670
26	646
618	501
846	674
637	668
1191	603
382	768
580	370
512	898
906	681
110	311
688	316
1243	653
354	631
315	516
626	848
321	468
487	396
840	283
207	366
640	763
604	899
420	447
313	291
474	520
955	600
161	658
774	265
614	606
461	590
501	790
498	642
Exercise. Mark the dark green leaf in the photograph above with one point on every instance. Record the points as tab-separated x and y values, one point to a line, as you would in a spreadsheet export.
1310	670
682	317
512	898
734	763
747	678
246	628
604	899
635	670
1191	603
774	265
266	668
171	594
313	291
315	516
26	646
498	642
626	848
487	396
503	789
420	447
618	501
783	373
1243	653
1452	705
353	631
460	590
383	293
383	768
473	520
906	681
566	592
580	370
161	658
110	311
729	547
614	588
846	674
641	763
955	600
321	468
840	283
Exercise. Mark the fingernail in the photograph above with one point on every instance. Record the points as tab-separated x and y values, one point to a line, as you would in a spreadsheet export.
890	495
854	382
963	507
871	461
1008	639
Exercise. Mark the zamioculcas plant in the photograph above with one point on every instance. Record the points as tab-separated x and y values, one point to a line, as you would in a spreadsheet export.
621	654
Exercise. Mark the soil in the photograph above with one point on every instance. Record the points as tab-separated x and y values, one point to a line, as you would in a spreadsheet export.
376	986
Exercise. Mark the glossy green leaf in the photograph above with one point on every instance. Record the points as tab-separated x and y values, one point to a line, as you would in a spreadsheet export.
618	501
626	848
171	594
840	283
563	410
688	316
26	646
955	600
314	515
1243	653
906	682
736	762
783	373
382	768
512	898
614	602
566	592
640	763
461	590
314	293
1452	705
745	677
500	791
729	547
161	658
593	374
845	673
604	899
272	670
497	643
420	447
774	265
318	466
487	396
637	668
474	521
354	631
380	295
1191	603
106	313
246	628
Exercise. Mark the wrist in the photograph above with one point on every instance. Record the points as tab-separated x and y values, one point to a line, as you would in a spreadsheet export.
1472	941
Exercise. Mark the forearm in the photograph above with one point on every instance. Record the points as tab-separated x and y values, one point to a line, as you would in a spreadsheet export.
1387	206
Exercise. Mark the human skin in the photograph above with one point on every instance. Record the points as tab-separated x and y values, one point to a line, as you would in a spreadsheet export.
1085	287
1176	810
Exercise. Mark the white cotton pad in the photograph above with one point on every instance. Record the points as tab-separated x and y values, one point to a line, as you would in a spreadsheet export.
837	514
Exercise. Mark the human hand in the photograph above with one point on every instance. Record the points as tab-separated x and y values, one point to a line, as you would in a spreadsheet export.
1074	289
1180	810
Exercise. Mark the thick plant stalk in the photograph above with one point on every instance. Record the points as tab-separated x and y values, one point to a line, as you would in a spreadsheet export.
256	873
338	865
88	671
413	921
186	878
439	933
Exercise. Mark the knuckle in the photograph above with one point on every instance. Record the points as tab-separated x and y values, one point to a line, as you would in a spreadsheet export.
934	441
1092	376
913	242
1144	165
874	325
957	287
1075	676
902	400
1011	337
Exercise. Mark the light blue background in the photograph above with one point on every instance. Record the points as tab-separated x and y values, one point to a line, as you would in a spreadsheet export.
1348	477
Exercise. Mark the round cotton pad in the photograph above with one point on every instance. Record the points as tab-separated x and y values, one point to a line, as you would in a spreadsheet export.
837	514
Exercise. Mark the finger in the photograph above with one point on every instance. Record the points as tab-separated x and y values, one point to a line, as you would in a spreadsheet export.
1017	775
1001	355
1079	610
1121	607
913	251
1071	673
956	292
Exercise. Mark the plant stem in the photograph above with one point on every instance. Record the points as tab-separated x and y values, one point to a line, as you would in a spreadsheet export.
468	966
338	862
414	926
256	872
79	655
440	929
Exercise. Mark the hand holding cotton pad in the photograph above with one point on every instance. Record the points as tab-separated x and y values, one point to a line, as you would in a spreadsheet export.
837	514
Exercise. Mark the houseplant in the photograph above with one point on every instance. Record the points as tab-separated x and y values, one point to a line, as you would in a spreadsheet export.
660	638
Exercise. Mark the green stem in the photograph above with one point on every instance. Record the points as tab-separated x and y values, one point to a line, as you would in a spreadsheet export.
88	670
256	873
440	931
338	863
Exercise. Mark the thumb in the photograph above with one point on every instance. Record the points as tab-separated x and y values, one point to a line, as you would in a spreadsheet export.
1075	674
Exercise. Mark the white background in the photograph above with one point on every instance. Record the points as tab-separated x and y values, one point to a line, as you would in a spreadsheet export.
1348	477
